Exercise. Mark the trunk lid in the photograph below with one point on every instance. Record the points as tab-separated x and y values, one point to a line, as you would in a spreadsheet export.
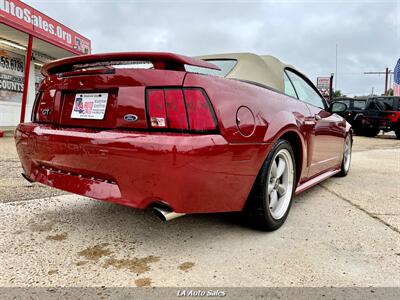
106	91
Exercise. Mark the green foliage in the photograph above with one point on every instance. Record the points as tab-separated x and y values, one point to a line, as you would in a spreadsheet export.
337	93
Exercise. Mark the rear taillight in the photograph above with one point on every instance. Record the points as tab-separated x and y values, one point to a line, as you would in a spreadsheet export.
156	109
187	109
199	110
44	107
392	117
176	109
35	107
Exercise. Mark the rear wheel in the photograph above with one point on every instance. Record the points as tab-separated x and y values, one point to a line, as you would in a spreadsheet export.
344	169
371	132
358	126
273	191
397	131
358	130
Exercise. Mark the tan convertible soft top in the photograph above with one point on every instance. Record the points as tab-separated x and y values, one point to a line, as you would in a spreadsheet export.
263	69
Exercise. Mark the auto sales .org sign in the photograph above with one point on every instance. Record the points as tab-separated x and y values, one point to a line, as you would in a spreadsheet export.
15	12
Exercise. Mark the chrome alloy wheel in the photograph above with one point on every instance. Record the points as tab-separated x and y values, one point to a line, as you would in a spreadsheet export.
280	184
347	154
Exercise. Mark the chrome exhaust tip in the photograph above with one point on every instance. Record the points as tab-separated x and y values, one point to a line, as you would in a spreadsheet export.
166	214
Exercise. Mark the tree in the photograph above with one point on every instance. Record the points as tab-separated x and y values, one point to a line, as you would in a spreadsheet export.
337	94
390	92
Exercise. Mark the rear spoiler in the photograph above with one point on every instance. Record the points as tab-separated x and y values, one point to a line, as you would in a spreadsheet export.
160	60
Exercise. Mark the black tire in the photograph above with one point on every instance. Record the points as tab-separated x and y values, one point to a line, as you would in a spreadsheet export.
397	131
358	130
371	132
358	126
344	168
257	210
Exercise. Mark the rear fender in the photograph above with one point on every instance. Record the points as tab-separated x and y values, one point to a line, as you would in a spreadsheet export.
292	132
228	96
348	128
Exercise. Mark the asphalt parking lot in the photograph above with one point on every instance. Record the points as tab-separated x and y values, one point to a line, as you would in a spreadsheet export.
344	232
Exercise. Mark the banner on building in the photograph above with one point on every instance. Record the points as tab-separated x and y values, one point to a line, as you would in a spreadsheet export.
11	76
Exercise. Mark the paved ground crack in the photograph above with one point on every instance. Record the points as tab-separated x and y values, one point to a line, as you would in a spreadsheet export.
387	214
374	216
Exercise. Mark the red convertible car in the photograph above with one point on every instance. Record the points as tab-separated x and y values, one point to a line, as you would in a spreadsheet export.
219	133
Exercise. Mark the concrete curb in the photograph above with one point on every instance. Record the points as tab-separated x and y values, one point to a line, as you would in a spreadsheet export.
7	132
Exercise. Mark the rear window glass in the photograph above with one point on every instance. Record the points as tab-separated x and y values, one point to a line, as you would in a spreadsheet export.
289	89
381	104
347	102
360	104
226	66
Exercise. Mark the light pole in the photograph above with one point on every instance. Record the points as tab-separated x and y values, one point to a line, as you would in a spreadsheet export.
336	76
330	87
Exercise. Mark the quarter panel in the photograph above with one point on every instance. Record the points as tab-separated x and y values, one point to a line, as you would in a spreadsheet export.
227	96
274	113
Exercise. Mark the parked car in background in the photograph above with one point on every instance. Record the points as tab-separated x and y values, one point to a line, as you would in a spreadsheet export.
228	132
381	113
354	112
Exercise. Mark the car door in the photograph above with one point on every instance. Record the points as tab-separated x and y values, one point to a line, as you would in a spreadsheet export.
326	130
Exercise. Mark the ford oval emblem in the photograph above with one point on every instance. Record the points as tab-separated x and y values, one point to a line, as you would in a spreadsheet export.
131	118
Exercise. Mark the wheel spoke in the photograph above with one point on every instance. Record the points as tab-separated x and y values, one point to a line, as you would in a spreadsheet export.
281	167
274	169
347	154
273	199
270	188
281	190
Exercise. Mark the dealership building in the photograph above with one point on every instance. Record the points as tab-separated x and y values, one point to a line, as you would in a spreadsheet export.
28	39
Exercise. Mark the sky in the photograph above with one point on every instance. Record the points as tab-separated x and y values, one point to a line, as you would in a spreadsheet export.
301	33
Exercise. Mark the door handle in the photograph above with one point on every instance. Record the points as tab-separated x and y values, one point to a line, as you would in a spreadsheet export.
312	121
309	122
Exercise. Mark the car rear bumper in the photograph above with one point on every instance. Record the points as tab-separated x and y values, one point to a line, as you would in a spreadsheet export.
378	123
190	173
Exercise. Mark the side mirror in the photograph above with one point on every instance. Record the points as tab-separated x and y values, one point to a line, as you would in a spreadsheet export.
338	107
